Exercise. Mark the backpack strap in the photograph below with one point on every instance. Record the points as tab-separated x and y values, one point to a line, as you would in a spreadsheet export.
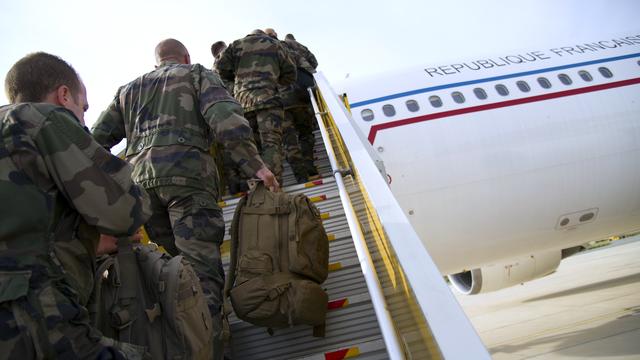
122	314
94	306
233	253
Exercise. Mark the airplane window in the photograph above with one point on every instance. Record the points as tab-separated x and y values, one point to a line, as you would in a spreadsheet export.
457	97
544	82
367	114
502	90
435	101
585	75
606	72
389	110
480	93
412	105
565	79
523	86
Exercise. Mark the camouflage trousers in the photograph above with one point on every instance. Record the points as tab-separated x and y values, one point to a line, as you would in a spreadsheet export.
299	140
269	124
42	321
188	221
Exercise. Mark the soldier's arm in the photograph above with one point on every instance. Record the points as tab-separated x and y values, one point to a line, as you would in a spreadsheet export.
96	183
235	133
109	129
310	57
288	69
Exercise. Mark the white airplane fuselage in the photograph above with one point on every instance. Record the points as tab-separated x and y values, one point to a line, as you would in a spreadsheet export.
541	168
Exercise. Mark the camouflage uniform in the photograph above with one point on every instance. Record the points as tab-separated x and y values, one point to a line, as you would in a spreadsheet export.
230	172
299	117
59	188
257	63
311	63
170	117
227	83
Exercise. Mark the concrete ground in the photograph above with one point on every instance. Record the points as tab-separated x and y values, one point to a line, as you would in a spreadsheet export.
589	308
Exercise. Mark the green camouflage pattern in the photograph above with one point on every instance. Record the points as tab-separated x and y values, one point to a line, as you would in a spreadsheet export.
63	188
293	94
170	118
257	64
298	138
300	123
292	150
308	61
44	323
231	176
268	123
189	221
228	84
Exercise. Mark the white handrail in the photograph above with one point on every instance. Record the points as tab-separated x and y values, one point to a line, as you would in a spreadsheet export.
389	334
454	334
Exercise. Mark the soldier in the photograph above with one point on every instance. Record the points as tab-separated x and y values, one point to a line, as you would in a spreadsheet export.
304	51
290	142
216	50
258	64
298	110
170	117
229	171
59	188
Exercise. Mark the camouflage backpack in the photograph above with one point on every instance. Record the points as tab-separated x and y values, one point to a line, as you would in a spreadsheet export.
279	258
146	297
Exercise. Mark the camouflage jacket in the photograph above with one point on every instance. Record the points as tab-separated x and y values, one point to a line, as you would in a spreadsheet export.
310	63
227	84
257	64
295	94
170	117
58	188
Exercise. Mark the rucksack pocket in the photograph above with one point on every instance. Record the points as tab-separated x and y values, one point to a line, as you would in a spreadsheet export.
261	301
192	321
254	264
308	303
311	255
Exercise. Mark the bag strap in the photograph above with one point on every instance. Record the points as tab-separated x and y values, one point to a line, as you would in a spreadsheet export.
292	238
233	253
122	315
95	305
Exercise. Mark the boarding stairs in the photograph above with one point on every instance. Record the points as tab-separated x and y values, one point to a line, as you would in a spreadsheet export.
376	308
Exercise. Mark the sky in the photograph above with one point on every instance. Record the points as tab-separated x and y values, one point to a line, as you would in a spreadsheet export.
111	42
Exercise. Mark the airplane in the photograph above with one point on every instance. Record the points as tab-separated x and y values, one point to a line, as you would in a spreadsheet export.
506	164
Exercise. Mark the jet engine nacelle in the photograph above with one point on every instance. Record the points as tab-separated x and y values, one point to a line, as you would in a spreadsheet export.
500	276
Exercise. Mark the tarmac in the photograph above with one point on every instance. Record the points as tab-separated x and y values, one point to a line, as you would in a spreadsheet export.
588	309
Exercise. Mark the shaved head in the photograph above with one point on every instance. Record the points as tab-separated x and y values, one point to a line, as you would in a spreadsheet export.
271	32
172	49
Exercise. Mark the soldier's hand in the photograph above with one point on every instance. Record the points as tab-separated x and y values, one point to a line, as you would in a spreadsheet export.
268	179
109	244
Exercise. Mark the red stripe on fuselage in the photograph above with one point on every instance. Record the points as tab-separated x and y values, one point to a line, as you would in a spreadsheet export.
375	128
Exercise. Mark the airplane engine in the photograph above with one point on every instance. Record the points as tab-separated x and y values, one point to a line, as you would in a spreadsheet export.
502	275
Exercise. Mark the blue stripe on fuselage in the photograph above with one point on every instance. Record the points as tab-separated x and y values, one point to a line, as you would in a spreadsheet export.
471	82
